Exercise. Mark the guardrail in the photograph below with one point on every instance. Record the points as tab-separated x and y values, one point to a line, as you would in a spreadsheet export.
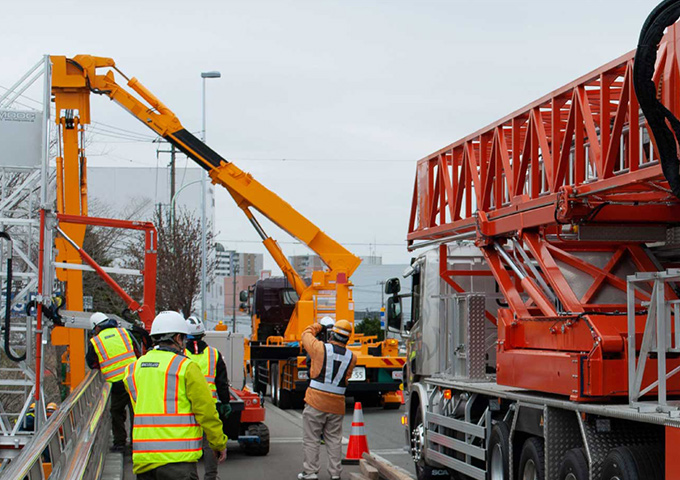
75	436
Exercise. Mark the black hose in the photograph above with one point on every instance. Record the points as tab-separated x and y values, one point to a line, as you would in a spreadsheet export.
8	304
663	124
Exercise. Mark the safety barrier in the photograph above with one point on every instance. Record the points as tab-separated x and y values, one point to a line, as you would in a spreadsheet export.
76	437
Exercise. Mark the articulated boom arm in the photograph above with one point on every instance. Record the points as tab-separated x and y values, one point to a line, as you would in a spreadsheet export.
80	74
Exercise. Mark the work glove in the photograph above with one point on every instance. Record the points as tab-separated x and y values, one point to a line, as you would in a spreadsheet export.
223	409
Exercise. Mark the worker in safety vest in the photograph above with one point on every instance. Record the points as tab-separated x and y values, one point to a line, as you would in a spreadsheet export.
173	407
331	367
112	349
215	371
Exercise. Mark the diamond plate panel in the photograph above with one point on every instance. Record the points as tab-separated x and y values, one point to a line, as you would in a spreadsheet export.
476	337
561	433
598	444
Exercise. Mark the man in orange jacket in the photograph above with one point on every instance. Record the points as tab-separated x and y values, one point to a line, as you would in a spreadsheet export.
331	367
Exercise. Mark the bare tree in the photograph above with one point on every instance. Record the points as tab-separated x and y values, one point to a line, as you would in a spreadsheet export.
178	282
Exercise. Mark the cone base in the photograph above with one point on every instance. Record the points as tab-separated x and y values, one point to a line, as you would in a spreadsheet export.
349	461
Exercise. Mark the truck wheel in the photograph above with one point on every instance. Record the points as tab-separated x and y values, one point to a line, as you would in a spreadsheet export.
274	375
257	449
423	471
574	466
532	460
285	398
632	463
498	463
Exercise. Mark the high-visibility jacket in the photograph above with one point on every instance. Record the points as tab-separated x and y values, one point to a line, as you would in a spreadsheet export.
165	429
332	378
114	350
207	360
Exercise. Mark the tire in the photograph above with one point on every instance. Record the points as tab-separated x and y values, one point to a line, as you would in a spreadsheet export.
632	463
274	379
257	449
532	460
424	471
498	455
574	466
285	398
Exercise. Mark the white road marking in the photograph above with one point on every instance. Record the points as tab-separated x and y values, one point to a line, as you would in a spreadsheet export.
390	451
286	440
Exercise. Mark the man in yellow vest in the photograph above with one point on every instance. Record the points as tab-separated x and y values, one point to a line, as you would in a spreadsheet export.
173	407
112	349
215	371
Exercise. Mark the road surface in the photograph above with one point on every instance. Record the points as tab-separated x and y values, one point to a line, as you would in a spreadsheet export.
383	428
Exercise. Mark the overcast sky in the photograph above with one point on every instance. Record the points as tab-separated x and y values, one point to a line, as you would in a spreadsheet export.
350	93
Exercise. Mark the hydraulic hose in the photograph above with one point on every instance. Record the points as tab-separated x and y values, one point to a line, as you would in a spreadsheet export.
663	124
8	303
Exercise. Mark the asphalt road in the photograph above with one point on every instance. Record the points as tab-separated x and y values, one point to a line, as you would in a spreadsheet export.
383	429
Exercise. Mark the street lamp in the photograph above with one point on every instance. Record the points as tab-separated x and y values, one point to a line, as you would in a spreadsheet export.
204	252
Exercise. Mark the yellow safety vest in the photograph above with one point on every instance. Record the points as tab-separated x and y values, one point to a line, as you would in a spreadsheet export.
114	351
165	430
207	360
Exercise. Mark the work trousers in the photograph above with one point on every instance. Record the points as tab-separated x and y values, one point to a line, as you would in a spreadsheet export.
209	462
315	423
171	471
120	403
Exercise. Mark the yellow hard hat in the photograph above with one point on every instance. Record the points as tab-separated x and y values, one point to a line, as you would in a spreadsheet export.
51	406
343	328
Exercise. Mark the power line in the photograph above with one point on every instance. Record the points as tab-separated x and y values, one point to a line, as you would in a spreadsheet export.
300	243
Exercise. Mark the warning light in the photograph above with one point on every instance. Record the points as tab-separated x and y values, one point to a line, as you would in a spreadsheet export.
404	420
447	394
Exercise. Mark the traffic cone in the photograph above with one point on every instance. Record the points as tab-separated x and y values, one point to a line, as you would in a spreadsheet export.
357	438
401	396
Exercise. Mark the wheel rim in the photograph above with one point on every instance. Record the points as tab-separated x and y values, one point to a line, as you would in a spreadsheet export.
497	463
529	472
417	442
570	476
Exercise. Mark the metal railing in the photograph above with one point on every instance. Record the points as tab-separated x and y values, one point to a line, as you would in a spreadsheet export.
75	437
661	337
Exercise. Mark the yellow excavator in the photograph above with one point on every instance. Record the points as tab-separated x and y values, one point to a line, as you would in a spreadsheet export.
328	294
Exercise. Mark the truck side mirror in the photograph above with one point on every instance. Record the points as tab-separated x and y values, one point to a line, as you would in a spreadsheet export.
243	296
393	312
392	286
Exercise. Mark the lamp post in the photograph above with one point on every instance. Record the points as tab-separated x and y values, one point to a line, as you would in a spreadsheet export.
204	252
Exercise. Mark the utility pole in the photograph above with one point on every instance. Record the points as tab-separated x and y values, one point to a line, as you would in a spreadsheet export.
233	274
382	292
172	174
173	157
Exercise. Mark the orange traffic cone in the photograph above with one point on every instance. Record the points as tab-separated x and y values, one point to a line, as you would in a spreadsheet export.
401	395
357	438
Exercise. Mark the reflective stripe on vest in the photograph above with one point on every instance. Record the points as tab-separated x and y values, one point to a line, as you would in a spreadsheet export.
165	429
114	350
326	381
207	360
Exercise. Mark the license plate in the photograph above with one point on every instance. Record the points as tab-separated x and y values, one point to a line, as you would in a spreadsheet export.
397	375
358	374
303	375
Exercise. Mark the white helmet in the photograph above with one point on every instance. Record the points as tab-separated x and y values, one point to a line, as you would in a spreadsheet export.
169	322
97	319
327	322
195	325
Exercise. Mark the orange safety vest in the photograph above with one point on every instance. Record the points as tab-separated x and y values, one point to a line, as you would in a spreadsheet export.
165	429
207	360
114	351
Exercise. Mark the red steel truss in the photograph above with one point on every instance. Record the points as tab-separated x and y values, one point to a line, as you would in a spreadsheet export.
562	197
